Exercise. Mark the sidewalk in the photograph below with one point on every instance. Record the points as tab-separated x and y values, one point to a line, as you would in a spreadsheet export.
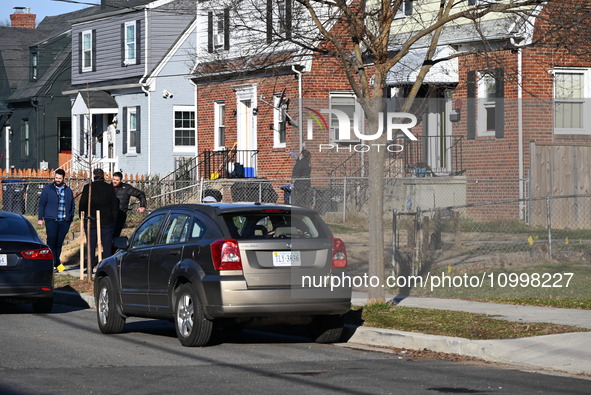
567	353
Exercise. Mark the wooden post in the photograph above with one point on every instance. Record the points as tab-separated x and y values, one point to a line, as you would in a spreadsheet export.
426	235
82	240
99	241
457	230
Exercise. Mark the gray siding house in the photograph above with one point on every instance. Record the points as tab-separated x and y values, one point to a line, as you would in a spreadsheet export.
129	87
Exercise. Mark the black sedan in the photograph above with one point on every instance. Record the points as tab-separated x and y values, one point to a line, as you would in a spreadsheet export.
238	263
26	264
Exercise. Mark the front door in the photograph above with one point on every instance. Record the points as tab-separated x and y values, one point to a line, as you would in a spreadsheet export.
246	129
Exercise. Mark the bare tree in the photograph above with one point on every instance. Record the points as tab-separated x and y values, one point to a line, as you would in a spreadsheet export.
368	38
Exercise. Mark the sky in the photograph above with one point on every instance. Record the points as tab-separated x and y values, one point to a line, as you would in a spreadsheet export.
43	8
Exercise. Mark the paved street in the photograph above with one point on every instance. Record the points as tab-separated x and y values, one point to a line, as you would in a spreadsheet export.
63	352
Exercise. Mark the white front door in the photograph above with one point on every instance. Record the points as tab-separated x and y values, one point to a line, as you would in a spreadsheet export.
246	143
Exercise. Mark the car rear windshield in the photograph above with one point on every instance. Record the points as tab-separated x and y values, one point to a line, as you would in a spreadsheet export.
265	225
10	226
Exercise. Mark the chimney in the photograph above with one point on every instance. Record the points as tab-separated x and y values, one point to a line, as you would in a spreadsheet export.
23	18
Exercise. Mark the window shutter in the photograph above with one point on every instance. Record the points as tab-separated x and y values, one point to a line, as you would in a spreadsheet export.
226	29
125	130
210	32
269	21
138	42
138	133
471	116
407	7
93	49
80	54
123	45
288	19
500	103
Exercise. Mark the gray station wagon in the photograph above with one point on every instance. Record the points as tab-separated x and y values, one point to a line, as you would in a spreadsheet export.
197	264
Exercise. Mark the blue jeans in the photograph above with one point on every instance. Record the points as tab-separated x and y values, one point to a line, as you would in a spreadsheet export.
56	233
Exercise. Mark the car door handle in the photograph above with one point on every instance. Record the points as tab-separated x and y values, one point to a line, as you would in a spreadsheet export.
174	253
144	256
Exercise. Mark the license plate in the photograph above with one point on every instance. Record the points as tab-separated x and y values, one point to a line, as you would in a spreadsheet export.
3	260
287	258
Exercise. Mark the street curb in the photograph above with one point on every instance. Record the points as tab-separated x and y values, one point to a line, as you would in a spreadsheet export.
510	351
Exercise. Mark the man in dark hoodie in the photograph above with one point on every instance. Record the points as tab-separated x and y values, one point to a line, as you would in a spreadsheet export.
56	210
102	198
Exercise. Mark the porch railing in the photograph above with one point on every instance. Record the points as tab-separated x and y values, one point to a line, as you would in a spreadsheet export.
228	164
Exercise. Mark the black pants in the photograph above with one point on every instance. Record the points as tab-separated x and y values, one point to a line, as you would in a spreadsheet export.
119	225
56	233
106	241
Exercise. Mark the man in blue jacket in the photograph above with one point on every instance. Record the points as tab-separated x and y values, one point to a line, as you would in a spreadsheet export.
56	209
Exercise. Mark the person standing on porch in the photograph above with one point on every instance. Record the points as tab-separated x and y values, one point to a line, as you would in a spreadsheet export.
56	209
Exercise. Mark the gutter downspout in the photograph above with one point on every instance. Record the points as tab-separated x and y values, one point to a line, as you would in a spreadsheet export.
146	90
300	108
8	131
520	155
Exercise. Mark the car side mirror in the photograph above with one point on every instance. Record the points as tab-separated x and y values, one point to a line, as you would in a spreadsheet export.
121	243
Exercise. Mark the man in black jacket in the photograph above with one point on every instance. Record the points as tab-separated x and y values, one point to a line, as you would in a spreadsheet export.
102	198
124	192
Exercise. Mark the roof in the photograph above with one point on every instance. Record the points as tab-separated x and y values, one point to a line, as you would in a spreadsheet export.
98	99
407	69
14	52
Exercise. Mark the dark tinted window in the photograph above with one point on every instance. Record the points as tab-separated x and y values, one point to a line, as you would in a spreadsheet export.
14	227
271	225
177	229
147	233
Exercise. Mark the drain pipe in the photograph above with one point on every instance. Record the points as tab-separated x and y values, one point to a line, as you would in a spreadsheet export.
520	155
146	90
300	108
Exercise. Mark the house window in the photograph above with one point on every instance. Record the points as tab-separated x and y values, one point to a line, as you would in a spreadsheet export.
218	30
345	102
26	138
279	19
279	120
220	125
571	87
184	129
487	89
130	43
87	50
405	9
34	66
132	130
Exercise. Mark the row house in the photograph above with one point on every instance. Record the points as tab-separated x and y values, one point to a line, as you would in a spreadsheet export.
133	108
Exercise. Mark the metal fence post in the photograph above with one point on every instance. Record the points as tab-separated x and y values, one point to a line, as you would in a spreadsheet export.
549	224
344	199
394	226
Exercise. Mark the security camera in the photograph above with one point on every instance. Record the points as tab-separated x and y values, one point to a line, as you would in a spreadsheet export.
166	94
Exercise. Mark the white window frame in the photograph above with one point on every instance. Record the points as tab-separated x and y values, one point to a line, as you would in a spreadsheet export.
278	116
401	13
338	95
130	45
26	138
219	114
87	51
485	102
585	113
183	148
131	149
35	65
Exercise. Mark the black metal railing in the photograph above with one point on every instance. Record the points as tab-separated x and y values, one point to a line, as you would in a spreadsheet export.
228	164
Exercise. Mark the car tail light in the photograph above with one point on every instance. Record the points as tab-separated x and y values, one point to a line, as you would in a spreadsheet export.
40	253
339	254
226	255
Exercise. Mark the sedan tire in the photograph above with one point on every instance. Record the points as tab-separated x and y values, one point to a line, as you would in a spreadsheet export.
109	319
326	328
192	328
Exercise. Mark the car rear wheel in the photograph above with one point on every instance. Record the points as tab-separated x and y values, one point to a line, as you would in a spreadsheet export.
326	328
109	319
43	306
192	328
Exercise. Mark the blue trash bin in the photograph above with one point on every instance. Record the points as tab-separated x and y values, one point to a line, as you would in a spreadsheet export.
13	196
